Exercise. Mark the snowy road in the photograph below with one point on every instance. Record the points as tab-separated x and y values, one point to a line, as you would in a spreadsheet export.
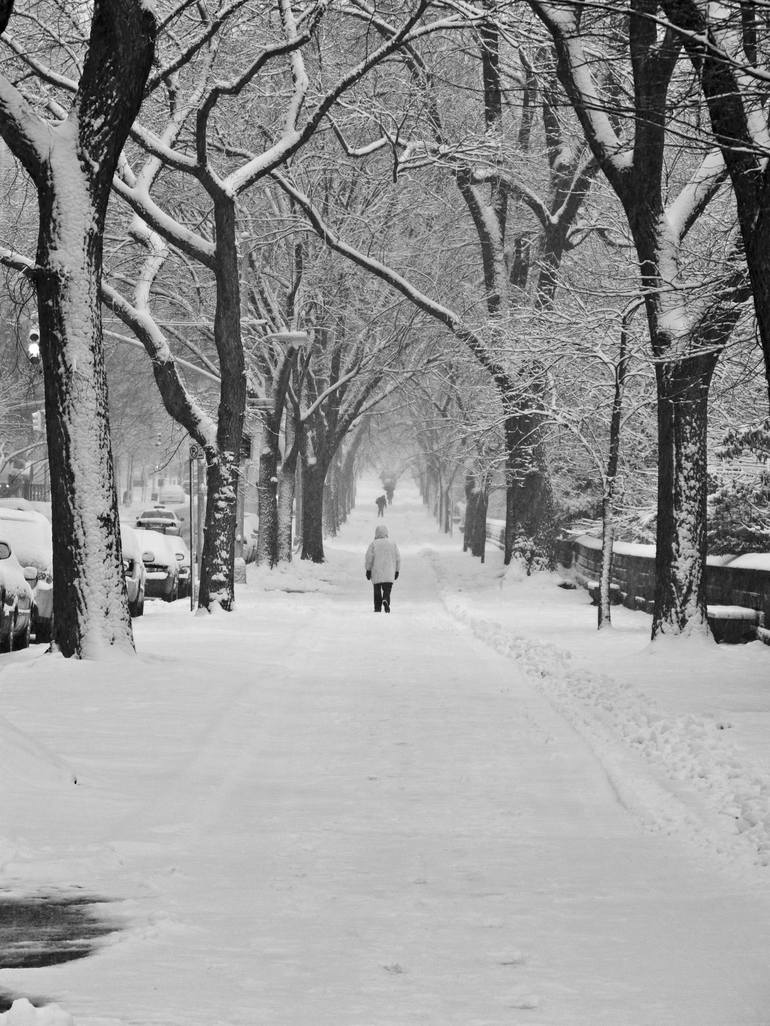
342	819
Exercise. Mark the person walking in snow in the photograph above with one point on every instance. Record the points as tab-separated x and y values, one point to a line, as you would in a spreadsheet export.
382	502
383	562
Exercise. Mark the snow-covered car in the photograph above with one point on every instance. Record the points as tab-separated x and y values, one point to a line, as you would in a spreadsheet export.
159	519
160	564
29	535
179	545
15	600
133	569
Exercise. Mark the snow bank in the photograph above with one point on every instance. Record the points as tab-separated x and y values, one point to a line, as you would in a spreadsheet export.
23	1013
693	750
752	561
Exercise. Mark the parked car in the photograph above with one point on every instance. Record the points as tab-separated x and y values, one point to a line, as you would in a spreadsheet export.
250	536
159	519
16	600
28	533
133	568
17	502
160	564
182	553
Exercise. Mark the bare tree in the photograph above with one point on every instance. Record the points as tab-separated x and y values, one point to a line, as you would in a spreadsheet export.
728	48
686	335
71	160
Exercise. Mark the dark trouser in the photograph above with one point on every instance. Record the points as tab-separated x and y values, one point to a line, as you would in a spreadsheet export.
382	594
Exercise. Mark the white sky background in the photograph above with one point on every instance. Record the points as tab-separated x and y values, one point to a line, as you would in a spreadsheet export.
474	812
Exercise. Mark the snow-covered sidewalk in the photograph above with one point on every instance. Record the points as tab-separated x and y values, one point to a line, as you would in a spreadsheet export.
303	814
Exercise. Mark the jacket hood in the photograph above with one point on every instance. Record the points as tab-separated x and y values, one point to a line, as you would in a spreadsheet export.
381	531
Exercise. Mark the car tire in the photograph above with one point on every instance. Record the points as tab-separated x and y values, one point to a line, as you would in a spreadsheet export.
10	642
22	640
42	632
136	608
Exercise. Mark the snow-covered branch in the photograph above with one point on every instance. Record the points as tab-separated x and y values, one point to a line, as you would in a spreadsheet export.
441	313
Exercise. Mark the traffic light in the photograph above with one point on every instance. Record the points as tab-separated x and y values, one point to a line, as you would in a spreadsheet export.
37	421
33	345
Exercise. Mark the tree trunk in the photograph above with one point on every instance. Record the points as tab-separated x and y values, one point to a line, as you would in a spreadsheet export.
680	560
332	500
90	608
267	538
478	521
217	564
604	615
73	170
286	489
469	503
347	476
529	506
611	476
313	478
287	481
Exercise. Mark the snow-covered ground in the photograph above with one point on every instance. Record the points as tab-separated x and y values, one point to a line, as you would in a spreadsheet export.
477	811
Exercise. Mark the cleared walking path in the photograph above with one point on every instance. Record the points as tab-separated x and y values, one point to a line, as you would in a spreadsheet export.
338	818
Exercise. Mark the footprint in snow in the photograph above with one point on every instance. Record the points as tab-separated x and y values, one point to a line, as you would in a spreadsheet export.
525	1001
511	958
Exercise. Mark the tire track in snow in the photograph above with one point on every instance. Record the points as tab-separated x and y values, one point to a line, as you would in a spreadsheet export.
693	752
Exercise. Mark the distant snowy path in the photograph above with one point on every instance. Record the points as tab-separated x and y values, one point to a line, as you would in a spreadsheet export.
350	819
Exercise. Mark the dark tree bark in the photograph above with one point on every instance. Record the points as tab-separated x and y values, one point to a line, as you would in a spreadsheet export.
72	165
732	104
604	612
680	555
313	480
267	498
529	495
479	522
218	559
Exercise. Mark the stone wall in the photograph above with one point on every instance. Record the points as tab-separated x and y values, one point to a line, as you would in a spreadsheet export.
633	576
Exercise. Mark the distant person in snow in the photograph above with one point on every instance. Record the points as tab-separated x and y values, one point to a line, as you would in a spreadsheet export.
382	502
390	487
383	562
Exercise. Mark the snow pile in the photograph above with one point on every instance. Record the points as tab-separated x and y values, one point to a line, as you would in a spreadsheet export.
693	750
300	577
23	1013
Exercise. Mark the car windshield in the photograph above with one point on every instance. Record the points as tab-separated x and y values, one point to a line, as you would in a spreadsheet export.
159	514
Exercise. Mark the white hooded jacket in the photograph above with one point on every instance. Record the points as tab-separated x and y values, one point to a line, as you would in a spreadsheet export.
383	557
